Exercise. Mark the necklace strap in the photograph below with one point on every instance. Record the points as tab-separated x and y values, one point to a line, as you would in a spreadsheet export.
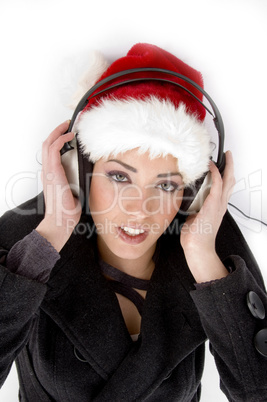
129	293
119	276
125	284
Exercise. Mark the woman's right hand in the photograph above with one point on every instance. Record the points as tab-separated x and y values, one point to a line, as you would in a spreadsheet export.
62	209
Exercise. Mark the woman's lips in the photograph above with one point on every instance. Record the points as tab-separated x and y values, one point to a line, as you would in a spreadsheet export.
132	238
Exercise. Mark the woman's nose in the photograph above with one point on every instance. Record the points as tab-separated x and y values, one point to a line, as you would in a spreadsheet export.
138	202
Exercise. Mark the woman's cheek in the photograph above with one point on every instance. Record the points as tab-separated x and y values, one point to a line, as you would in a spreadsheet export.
103	196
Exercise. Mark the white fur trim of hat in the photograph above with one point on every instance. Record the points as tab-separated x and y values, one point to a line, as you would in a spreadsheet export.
154	125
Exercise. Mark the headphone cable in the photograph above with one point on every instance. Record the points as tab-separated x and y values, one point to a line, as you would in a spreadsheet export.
247	216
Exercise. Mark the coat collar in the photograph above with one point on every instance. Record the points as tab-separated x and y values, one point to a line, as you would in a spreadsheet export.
80	301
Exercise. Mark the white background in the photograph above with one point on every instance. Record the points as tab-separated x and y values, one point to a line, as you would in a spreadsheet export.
43	44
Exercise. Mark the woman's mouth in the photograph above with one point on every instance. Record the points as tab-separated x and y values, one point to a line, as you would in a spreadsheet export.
132	235
132	231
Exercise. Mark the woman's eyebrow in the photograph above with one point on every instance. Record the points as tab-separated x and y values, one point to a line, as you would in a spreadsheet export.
132	169
170	174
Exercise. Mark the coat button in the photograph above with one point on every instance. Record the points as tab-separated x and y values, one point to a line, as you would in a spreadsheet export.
168	376
255	305
260	342
79	356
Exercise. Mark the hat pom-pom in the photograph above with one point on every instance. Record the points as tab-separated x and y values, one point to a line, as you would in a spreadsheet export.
96	66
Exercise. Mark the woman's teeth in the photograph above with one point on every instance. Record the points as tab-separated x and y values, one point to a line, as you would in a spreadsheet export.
131	231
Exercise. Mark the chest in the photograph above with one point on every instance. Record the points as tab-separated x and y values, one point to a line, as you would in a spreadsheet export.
130	313
130	293
65	372
83	337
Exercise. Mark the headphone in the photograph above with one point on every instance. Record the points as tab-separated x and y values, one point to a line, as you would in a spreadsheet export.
76	165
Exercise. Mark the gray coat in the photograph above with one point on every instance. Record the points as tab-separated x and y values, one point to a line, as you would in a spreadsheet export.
70	342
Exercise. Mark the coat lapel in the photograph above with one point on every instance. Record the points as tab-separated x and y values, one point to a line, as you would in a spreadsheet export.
170	331
85	308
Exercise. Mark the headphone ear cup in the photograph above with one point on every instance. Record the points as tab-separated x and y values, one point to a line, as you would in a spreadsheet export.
78	170
201	195
70	164
195	196
221	167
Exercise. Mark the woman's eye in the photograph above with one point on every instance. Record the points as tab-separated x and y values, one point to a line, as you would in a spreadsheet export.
118	177
168	187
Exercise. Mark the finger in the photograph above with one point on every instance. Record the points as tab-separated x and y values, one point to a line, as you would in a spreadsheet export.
229	166
57	132
54	149
56	140
228	177
61	140
217	184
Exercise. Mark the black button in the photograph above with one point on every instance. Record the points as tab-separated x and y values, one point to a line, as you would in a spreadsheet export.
168	376
255	305
79	356
260	342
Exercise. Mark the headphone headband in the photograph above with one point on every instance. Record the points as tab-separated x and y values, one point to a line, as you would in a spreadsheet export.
91	93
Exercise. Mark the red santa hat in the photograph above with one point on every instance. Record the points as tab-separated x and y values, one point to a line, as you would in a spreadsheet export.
152	116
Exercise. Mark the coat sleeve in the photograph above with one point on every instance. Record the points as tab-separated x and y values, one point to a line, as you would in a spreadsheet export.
233	321
20	299
21	291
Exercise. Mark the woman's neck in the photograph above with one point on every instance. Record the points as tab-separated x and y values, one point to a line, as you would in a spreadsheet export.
141	267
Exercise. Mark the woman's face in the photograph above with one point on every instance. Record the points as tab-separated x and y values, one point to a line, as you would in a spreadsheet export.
133	199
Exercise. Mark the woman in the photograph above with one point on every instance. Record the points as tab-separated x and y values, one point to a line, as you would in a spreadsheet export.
121	311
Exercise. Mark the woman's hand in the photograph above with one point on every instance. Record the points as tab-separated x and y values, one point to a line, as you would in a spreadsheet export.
199	231
62	209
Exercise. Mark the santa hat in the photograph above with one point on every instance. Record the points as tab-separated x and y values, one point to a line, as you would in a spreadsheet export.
152	116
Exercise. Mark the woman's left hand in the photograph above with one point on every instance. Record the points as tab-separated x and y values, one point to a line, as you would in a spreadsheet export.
199	231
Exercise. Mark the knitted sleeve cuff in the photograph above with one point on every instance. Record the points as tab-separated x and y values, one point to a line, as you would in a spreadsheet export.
229	265
32	257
